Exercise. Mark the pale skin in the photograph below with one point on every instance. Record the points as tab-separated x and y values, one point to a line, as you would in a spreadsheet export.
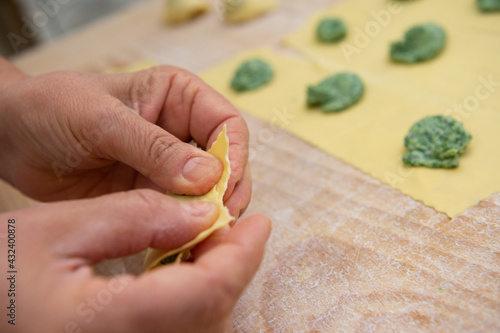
101	150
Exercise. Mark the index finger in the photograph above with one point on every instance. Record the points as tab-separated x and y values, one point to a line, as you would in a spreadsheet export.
191	109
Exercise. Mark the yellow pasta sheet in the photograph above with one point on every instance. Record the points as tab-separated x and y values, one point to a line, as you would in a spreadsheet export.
472	50
370	134
220	149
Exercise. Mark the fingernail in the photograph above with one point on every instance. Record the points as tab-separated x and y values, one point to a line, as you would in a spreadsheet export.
199	208
198	168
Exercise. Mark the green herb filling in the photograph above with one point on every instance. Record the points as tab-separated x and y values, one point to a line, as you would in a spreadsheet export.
169	260
336	93
435	142
331	30
252	74
488	5
420	43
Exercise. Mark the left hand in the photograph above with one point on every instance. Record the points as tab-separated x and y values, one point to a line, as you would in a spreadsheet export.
57	244
70	135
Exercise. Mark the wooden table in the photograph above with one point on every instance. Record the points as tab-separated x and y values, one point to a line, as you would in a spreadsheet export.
347	253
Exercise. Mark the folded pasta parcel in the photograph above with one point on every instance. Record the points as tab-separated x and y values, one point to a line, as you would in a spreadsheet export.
220	149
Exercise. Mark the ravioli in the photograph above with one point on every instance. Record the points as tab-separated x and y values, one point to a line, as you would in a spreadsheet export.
236	11
220	149
177	11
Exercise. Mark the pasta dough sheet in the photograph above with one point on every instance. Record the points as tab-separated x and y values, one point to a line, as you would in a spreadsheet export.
472	49
220	149
370	134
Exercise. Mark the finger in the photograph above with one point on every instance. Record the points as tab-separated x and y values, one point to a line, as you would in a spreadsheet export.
239	200
229	325
245	243
170	163
192	109
203	292
183	105
142	182
206	111
122	224
238	150
215	239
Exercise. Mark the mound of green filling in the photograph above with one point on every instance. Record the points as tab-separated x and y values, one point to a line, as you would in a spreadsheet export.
488	5
435	142
169	260
336	93
331	30
252	74
420	43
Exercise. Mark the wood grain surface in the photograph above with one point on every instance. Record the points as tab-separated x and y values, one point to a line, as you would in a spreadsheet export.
347	253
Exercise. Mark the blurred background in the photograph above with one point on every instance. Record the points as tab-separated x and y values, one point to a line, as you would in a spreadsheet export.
19	19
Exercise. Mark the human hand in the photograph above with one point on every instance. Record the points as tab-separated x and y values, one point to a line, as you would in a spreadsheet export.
70	135
58	242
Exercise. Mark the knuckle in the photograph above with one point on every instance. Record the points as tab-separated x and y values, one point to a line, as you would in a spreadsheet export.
159	75
160	151
140	92
187	80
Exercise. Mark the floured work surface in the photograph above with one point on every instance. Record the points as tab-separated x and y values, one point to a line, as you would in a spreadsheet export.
463	82
349	254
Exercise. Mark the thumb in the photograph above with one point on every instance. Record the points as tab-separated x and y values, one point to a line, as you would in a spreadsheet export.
173	165
119	224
